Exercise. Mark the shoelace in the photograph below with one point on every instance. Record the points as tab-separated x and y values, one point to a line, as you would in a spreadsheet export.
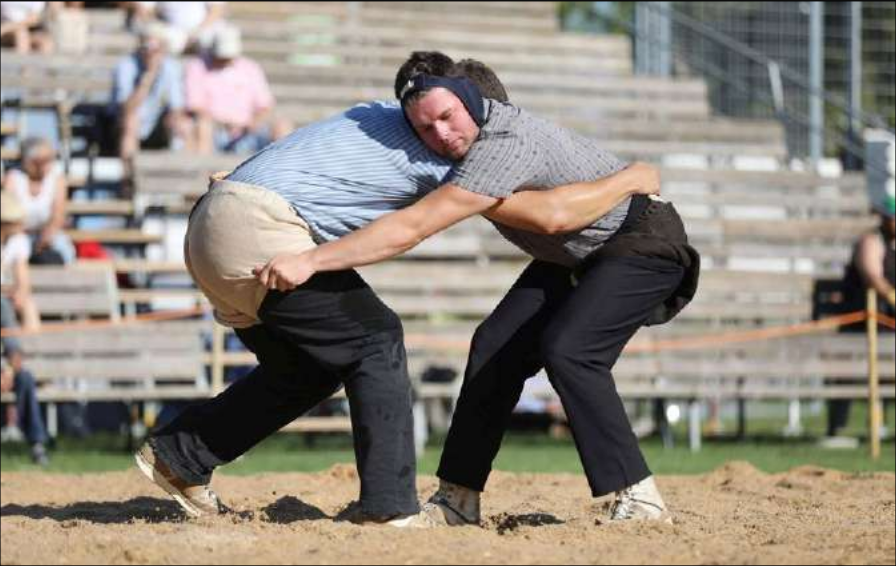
622	509
443	501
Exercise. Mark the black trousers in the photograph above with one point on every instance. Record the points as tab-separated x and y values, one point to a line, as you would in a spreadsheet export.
331	332
575	332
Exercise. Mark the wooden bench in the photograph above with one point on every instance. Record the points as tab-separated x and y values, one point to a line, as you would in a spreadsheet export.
441	302
76	292
104	207
492	21
123	237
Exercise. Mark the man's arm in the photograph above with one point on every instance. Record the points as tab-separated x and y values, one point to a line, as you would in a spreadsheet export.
571	208
871	266
387	237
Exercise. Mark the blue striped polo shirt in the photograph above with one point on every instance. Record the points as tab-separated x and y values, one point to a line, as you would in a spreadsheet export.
343	173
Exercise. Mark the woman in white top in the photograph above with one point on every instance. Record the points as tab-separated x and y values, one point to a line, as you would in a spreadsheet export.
42	191
15	281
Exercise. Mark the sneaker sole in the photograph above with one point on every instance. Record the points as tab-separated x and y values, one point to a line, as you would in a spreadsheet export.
159	480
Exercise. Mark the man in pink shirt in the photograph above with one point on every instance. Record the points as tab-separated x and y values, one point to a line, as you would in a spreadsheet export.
231	99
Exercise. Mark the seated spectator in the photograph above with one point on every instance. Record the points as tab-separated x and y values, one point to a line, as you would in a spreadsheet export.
148	97
231	99
24	419
873	266
191	25
42	191
15	282
24	26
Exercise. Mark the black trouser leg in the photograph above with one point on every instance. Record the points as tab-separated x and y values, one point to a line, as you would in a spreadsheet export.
504	353
332	329
838	414
580	346
285	385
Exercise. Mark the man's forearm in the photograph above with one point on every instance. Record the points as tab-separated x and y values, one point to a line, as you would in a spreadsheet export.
582	204
400	231
141	91
379	241
571	208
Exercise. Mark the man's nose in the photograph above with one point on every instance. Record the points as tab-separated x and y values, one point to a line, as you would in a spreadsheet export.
442	132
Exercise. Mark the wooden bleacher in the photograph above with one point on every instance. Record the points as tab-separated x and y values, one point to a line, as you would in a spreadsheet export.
765	235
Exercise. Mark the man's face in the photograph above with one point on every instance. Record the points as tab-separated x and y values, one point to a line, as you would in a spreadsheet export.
443	123
150	47
40	164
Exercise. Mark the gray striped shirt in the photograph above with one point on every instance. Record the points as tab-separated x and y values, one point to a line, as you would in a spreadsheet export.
343	173
517	151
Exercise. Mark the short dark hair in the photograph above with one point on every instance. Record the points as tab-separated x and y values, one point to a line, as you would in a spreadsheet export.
484	77
433	63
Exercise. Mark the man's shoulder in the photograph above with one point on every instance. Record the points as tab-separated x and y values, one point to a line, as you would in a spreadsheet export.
502	116
375	114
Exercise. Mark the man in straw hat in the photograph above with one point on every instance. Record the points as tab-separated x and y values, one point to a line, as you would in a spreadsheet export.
25	416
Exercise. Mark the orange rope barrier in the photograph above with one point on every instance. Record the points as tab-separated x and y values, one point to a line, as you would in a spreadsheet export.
750	335
417	340
886	321
450	344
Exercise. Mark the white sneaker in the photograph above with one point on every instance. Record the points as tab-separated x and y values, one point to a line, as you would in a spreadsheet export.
353	513
12	434
641	501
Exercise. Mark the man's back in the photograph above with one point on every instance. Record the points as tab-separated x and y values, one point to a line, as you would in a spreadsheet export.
344	172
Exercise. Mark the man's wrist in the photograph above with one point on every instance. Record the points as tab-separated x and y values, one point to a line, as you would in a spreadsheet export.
313	257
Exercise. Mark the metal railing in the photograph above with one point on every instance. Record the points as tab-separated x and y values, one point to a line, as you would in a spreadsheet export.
781	79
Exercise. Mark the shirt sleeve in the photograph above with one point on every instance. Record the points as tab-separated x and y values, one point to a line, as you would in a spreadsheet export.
177	100
194	79
123	81
264	98
498	165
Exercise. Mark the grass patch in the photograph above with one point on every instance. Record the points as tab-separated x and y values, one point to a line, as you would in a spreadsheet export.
535	453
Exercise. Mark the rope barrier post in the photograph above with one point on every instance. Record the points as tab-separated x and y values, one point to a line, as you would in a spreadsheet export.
217	358
874	416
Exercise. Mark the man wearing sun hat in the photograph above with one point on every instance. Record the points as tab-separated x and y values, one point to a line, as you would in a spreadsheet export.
14	254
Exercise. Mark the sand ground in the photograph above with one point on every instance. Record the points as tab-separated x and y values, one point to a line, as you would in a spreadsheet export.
735	514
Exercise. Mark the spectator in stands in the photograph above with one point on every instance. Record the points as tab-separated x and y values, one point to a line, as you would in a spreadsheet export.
873	266
15	281
191	25
24	25
42	191
15	295
321	183
23	420
148	97
231	99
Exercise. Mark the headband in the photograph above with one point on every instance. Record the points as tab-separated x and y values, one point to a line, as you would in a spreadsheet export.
462	87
